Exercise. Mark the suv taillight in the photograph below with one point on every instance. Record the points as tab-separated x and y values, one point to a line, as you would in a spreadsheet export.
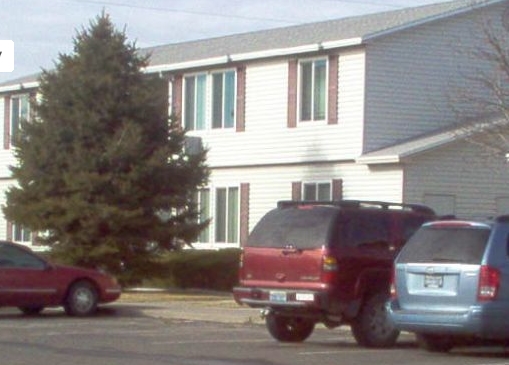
329	268
489	282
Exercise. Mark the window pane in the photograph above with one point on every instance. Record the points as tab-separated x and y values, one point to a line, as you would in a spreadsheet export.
189	102
306	91
324	191
201	90
319	90
204	201
217	100
220	218
24	107
309	191
233	215
229	99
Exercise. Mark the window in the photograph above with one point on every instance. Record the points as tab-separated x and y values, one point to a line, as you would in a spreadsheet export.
15	257
21	234
209	100
317	191
223	99
227	215
195	88
19	112
203	202
312	95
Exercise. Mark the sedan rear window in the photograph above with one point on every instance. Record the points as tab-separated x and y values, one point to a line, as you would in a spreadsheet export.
302	228
446	244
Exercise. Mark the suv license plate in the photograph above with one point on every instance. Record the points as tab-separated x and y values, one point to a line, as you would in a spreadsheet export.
433	281
277	296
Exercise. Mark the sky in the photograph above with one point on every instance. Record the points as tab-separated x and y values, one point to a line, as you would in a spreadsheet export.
43	29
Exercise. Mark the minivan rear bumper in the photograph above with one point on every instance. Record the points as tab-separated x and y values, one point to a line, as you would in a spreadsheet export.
487	320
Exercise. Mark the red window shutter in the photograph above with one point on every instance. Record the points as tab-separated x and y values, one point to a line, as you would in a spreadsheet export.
292	93
176	97
296	190
333	89
241	99
7	122
244	213
337	189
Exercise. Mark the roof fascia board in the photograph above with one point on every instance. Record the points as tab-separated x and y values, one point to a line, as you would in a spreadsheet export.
19	86
270	53
466	9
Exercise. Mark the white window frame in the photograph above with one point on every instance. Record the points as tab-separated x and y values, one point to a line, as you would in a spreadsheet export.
300	102
208	123
21	235
317	186
230	223
14	126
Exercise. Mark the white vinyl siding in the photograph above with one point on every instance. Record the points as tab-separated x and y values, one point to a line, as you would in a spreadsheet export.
266	107
462	170
411	77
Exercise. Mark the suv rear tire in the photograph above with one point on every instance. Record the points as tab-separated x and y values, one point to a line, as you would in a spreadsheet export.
372	326
289	329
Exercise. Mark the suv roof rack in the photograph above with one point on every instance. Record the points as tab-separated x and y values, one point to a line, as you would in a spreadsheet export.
358	204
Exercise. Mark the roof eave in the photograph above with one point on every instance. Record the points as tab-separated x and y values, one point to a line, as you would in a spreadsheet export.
19	86
249	56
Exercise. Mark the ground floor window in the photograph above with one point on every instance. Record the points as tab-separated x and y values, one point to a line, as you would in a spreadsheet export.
317	191
227	215
21	234
222	206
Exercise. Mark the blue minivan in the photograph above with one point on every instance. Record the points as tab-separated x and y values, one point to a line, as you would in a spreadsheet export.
450	284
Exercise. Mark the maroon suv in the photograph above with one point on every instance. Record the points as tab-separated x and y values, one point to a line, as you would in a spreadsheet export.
329	262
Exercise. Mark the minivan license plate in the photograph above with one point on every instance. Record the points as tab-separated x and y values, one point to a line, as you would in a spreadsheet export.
277	296
433	281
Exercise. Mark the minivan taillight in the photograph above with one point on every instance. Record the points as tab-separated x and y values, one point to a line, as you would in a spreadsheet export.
489	282
393	291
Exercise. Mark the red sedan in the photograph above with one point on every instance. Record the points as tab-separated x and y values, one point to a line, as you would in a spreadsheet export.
31	283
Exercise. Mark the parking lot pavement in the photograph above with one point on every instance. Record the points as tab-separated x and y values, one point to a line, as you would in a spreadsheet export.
192	306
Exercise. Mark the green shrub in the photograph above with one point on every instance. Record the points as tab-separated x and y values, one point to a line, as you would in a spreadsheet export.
198	269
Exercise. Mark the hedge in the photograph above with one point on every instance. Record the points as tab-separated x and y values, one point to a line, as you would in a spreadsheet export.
198	269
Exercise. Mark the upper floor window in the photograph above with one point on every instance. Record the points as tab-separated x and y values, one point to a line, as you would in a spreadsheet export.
19	111
313	89
209	100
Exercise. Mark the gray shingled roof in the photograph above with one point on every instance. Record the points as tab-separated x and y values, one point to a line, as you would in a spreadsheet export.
364	27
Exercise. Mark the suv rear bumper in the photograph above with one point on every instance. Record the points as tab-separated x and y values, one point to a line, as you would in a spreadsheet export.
265	297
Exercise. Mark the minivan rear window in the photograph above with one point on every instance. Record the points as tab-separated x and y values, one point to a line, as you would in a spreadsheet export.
302	228
446	244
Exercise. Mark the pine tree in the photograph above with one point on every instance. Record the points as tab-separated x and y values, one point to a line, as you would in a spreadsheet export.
100	166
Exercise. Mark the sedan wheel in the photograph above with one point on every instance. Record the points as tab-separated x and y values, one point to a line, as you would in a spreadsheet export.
81	299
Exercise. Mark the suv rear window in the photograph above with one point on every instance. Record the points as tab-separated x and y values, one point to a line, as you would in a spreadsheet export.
303	227
446	244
